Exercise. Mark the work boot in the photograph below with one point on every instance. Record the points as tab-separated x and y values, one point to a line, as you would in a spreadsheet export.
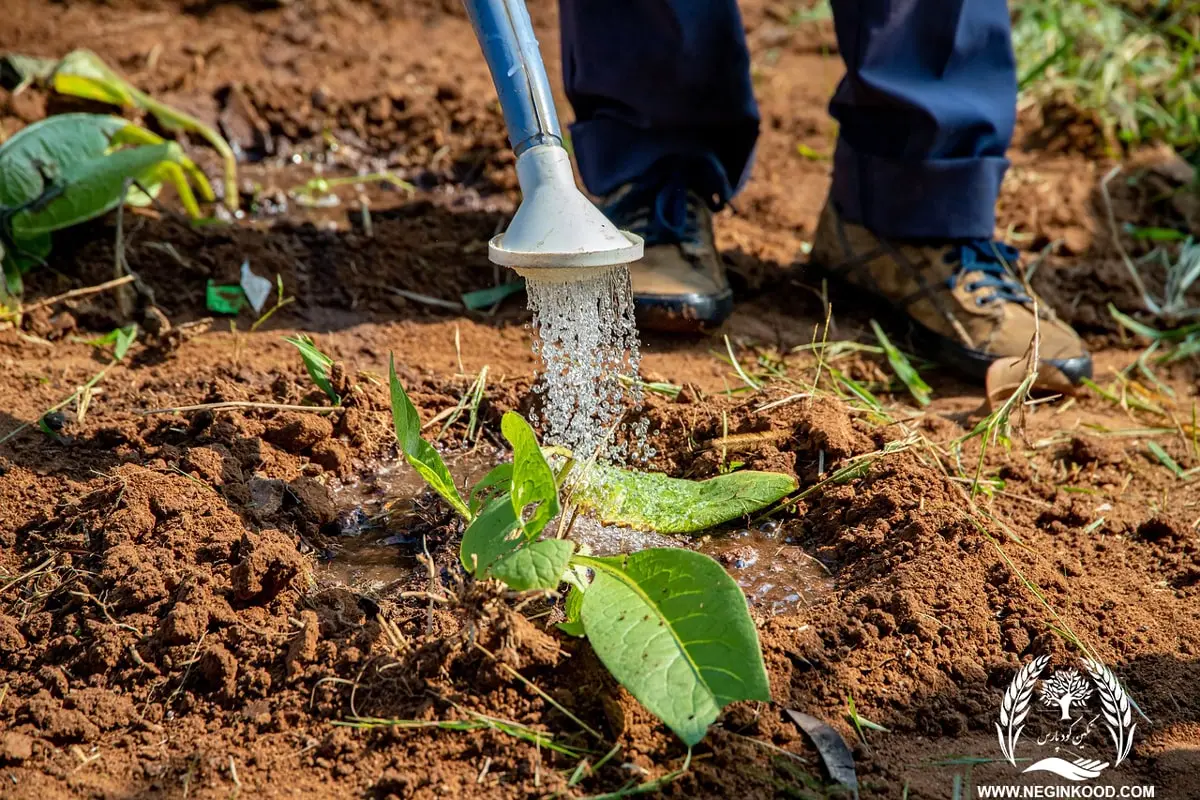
679	285
967	307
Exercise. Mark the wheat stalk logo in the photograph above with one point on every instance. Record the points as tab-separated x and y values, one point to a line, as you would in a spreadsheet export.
1015	706
1114	703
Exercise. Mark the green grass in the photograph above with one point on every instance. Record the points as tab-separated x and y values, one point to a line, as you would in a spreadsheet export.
1137	70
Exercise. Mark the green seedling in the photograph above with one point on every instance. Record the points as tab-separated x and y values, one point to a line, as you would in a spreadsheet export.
280	302
120	340
313	191
860	722
317	364
903	368
84	74
68	169
670	624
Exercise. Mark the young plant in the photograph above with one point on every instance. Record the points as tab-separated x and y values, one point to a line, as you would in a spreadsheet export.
317	363
904	369
82	73
670	624
70	168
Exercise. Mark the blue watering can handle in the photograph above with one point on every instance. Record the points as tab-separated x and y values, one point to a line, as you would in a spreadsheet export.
506	35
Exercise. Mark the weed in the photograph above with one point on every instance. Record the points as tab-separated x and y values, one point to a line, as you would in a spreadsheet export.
903	368
280	302
1137	72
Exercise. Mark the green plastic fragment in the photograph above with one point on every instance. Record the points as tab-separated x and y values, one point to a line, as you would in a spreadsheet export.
486	298
224	299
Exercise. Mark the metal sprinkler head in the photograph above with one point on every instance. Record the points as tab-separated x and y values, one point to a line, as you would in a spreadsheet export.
557	234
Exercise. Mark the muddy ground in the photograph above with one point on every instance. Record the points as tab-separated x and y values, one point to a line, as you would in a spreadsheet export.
170	621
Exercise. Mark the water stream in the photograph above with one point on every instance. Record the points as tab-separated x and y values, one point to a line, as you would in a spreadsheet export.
586	338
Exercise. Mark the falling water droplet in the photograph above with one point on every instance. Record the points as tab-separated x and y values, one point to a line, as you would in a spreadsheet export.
587	339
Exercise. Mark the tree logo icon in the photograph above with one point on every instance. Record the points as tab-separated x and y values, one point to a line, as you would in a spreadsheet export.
1066	689
1069	693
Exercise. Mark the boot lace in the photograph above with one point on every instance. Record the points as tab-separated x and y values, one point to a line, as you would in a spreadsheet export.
988	264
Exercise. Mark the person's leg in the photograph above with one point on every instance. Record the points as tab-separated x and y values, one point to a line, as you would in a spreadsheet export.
926	112
656	79
665	129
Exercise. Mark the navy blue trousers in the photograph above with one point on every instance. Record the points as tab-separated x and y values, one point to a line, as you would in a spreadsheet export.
926	109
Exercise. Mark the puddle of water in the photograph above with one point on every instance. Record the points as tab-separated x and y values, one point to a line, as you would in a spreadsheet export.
776	575
377	548
374	521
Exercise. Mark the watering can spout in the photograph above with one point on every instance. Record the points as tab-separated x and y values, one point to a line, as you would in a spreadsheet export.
557	233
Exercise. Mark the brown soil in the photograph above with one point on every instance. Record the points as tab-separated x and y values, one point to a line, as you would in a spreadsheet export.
165	629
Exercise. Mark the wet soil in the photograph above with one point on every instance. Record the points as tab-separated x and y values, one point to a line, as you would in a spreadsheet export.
171	620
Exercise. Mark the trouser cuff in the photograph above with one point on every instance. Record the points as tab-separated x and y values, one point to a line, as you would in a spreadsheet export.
939	199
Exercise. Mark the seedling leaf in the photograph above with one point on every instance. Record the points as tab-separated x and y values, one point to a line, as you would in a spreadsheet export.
318	364
537	565
124	340
573	609
904	370
653	501
673	628
493	534
418	452
498	480
534	492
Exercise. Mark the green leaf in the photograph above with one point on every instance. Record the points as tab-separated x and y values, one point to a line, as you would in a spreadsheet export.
534	491
82	73
904	370
318	364
125	338
1166	459
573	609
498	480
20	258
673	628
418	452
59	144
79	155
92	188
653	501
537	565
490	536
119	338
